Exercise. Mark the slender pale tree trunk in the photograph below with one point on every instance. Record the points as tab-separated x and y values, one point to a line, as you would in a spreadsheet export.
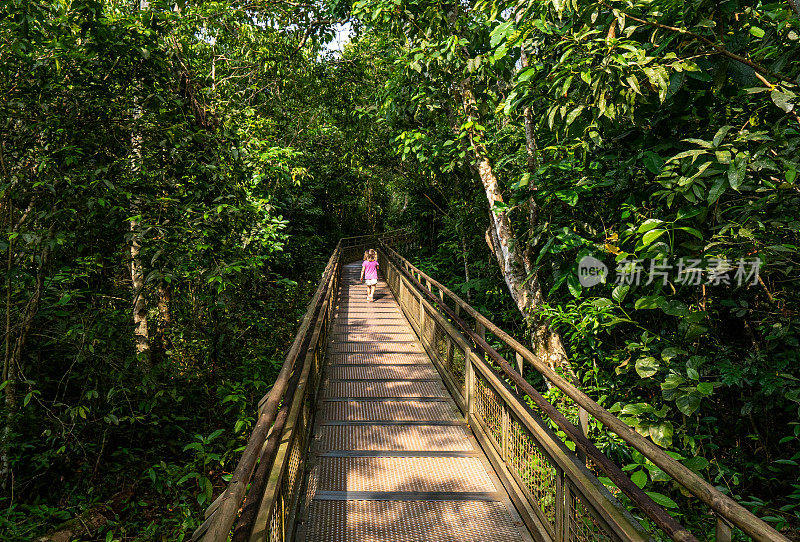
545	341
140	332
9	373
504	242
164	299
522	281
465	257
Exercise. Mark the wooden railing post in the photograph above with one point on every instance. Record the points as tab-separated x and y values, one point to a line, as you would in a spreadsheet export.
469	383
421	316
562	507
504	428
583	422
448	355
723	532
480	329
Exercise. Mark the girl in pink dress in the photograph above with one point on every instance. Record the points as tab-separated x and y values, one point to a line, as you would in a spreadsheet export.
369	272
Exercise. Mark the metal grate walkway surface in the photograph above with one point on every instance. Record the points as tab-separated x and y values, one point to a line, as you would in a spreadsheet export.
392	458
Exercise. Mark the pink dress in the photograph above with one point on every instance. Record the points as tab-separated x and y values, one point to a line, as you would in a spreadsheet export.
370	272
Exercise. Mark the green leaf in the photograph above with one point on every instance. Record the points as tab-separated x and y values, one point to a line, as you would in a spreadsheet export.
692	231
706	388
639	478
661	433
696	463
671	352
694	153
735	175
649	224
674	307
662	500
653	162
782	100
647	366
721	133
634	409
648	302
633	83
757	32
526	74
688	403
574	114
619	292
717	189
651	236
672	381
574	285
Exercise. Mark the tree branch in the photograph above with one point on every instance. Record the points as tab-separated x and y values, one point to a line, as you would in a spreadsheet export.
313	26
718	48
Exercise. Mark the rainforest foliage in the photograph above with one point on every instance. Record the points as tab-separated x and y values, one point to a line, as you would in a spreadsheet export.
173	177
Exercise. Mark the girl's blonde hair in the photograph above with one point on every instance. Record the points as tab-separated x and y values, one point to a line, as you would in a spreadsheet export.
371	255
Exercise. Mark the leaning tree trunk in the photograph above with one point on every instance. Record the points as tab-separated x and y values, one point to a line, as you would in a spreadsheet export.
522	282
546	342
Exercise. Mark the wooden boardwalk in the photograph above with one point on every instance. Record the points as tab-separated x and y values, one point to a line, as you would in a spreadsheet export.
392	459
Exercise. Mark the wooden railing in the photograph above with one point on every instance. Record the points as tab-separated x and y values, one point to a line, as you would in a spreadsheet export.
269	473
262	497
559	498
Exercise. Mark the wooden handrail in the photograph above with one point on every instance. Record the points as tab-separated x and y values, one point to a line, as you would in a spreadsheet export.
720	503
262	446
223	512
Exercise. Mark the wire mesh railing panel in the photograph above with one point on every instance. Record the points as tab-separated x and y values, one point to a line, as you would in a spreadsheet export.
582	525
275	531
533	468
440	344
489	409
290	486
457	366
429	327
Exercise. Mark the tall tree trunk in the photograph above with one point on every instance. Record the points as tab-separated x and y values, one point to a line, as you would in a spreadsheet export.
545	341
141	336
164	317
9	374
532	154
465	257
504	242
523	282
